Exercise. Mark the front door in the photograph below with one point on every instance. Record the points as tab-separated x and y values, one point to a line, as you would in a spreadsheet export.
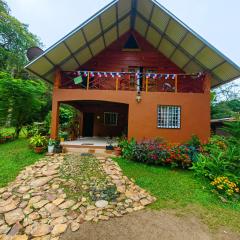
88	121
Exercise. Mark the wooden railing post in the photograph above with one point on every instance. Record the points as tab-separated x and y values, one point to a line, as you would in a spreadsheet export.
88	78
146	84
176	83
116	83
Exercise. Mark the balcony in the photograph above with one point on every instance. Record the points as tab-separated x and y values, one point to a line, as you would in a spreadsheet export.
127	81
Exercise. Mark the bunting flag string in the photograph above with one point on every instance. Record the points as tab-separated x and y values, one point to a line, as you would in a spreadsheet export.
148	75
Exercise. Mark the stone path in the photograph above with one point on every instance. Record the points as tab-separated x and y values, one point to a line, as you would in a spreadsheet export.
35	205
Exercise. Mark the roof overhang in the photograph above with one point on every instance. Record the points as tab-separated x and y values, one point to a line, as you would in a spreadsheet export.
156	24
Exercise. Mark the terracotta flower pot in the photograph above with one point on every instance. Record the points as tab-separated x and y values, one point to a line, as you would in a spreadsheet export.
117	151
38	149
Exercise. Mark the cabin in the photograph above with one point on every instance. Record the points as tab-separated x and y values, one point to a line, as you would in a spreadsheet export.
135	69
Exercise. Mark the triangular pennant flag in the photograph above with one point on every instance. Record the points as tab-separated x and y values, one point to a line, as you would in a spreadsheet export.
78	80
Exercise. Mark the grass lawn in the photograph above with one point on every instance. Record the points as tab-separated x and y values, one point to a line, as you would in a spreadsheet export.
182	191
14	156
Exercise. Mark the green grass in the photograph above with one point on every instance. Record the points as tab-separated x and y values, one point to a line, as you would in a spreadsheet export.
182	191
14	156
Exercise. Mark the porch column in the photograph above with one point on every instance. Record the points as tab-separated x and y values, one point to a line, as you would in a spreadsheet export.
55	106
55	119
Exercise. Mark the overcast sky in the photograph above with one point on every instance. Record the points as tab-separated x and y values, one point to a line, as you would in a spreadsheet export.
216	20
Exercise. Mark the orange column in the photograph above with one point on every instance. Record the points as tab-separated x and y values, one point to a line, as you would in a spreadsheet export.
55	119
55	106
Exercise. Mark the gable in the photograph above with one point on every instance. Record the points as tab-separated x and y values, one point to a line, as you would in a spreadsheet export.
165	32
117	59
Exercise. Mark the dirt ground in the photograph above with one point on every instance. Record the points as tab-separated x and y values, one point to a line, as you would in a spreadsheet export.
149	225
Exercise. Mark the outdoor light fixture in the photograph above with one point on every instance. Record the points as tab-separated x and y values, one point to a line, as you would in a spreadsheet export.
98	117
138	97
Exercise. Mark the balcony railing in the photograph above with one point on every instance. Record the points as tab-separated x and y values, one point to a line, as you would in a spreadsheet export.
126	81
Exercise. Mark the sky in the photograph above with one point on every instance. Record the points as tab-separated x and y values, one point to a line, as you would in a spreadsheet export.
215	20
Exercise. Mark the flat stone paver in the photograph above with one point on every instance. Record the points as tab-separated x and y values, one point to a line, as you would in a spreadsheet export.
35	205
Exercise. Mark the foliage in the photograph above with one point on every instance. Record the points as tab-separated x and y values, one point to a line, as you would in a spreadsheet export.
14	156
37	128
127	147
220	158
90	181
51	142
66	114
15	39
63	135
68	121
194	141
224	109
233	128
224	186
22	101
38	141
158	153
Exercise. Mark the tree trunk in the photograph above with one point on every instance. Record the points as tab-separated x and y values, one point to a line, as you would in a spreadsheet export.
17	131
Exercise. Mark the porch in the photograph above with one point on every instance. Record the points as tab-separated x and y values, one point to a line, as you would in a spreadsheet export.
95	124
134	80
96	145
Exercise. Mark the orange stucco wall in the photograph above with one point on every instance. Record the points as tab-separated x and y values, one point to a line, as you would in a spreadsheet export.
142	117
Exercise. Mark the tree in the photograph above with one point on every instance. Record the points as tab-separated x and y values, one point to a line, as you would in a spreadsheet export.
225	101
15	39
22	101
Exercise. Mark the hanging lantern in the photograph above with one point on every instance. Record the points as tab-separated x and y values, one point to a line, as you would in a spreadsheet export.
105	74
166	76
91	74
99	74
85	74
173	76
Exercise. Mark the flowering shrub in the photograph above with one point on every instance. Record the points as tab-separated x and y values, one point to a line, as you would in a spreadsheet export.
159	153
224	186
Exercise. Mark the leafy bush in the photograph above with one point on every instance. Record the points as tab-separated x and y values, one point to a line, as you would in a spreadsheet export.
158	153
233	128
127	147
38	141
220	158
37	128
220	163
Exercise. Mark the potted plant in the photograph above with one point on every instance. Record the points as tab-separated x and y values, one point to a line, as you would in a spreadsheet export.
38	142
63	136
57	147
51	143
109	145
117	151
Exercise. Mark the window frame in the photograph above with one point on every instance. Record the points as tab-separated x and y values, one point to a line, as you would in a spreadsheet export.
180	117
104	121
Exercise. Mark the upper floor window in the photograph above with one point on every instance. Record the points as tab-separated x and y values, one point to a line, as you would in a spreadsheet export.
110	118
169	116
